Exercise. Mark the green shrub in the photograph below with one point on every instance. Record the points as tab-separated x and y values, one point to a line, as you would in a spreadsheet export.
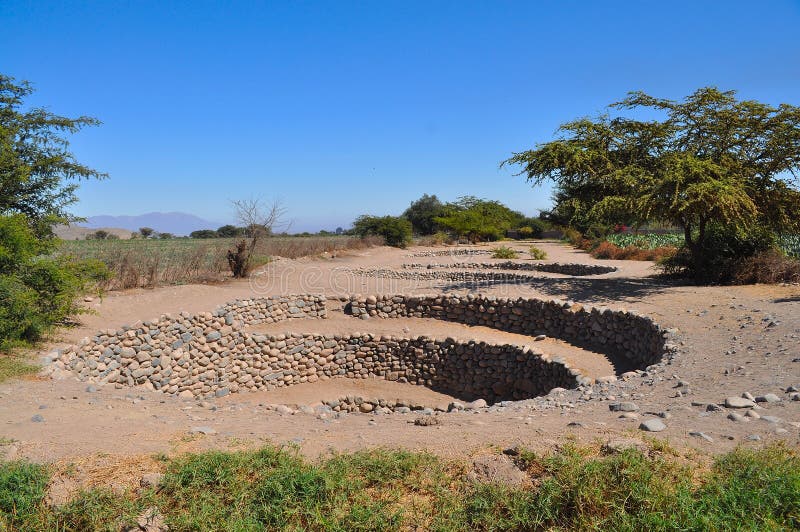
395	231
504	252
537	254
37	291
717	258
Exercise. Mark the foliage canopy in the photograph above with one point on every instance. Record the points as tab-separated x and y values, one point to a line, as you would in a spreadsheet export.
478	219
395	230
38	174
38	179
422	214
712	161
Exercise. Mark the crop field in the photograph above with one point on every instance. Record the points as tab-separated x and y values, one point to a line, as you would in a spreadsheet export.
153	262
790	244
646	240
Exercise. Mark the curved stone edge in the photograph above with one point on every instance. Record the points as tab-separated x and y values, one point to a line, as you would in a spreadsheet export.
101	359
613	332
574	269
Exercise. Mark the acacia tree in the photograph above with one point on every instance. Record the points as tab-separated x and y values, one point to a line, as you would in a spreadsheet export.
478	219
38	174
38	179
712	161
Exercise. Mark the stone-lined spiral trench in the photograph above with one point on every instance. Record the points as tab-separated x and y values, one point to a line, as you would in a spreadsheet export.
214	353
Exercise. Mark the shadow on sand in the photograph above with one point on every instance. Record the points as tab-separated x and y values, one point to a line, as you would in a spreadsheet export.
582	289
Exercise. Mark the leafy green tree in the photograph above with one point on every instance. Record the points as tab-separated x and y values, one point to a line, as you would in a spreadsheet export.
38	174
38	180
396	231
165	236
203	233
230	231
477	219
422	212
100	234
713	162
146	232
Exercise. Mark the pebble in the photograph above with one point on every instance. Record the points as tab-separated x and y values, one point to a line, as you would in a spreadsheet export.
91	388
151	480
203	430
625	406
753	437
652	425
739	402
768	398
735	416
38	418
702	435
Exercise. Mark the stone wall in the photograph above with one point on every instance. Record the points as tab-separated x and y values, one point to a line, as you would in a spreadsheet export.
550	267
476	277
633	341
213	353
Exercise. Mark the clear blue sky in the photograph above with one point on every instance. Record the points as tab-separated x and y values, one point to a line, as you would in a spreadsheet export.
342	108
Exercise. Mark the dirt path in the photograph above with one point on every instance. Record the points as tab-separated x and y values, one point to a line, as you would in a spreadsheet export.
734	340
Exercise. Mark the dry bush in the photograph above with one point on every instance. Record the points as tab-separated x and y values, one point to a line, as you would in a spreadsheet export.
769	267
436	239
295	247
607	250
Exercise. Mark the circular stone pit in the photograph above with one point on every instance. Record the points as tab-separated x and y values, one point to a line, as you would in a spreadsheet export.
211	354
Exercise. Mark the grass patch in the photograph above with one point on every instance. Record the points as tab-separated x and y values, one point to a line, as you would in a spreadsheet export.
12	365
574	489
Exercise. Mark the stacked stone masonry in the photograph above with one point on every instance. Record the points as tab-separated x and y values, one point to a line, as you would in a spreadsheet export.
214	354
466	277
450	252
613	332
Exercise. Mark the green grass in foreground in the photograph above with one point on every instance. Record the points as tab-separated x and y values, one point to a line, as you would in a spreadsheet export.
15	366
391	490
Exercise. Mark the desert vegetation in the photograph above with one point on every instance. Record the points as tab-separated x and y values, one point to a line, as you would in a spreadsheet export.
574	488
38	290
731	192
467	219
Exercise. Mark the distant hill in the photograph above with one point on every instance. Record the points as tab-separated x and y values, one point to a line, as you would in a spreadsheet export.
76	232
177	223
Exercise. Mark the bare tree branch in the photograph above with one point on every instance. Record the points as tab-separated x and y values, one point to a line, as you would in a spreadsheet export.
259	220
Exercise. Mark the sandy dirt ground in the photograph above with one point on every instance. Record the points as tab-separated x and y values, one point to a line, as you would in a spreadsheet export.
733	340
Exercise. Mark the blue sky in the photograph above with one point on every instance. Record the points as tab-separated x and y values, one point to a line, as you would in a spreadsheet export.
343	108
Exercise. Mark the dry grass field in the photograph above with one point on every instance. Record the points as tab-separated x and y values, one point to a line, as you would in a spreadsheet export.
153	262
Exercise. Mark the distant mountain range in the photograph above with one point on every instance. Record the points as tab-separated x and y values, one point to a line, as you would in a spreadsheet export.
177	223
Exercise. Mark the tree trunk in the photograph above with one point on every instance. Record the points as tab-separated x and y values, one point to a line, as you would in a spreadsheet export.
239	260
